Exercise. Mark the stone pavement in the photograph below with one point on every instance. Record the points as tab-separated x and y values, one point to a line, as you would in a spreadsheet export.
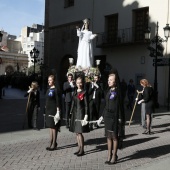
25	149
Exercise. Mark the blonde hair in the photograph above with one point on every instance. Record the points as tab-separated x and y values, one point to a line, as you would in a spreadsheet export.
145	82
52	77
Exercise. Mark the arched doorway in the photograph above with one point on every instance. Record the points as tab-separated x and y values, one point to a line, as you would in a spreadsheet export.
9	70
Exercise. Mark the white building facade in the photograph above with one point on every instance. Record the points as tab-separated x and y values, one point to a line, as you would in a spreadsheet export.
12	62
34	40
120	25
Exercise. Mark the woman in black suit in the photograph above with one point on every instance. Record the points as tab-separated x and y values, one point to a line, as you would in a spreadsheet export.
79	111
113	116
53	111
148	99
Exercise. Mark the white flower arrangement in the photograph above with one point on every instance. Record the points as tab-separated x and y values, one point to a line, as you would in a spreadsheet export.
89	72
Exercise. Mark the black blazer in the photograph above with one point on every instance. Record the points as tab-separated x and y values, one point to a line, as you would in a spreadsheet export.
34	98
68	91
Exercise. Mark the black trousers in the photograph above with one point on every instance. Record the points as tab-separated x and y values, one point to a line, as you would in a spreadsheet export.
68	108
94	110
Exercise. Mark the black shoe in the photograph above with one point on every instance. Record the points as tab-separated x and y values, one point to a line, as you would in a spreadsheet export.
114	160
75	153
52	149
109	159
146	132
107	162
80	153
47	148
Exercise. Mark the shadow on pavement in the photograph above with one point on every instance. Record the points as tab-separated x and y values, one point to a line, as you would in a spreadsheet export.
130	135
67	146
148	153
161	131
133	142
160	126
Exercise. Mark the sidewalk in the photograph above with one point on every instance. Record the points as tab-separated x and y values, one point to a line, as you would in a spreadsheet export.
25	149
162	164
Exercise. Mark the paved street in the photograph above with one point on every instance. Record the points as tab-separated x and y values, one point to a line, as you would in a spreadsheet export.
23	149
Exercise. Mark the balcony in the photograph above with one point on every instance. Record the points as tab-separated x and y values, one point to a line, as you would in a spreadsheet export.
125	36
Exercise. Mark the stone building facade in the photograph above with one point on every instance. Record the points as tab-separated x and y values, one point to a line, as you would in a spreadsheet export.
120	26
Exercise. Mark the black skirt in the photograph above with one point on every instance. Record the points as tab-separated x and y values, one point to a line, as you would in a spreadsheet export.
111	127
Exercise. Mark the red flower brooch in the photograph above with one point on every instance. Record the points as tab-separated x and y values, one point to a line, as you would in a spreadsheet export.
80	96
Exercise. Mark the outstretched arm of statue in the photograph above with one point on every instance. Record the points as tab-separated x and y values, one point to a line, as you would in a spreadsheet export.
93	36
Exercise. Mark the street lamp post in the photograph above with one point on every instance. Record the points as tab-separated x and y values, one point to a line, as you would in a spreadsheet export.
157	51
41	71
34	53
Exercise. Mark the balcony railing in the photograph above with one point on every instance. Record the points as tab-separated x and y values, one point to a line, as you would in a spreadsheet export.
120	37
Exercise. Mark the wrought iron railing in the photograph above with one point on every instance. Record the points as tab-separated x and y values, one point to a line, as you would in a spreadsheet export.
121	36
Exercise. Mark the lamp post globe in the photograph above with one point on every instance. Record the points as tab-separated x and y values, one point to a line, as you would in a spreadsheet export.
167	31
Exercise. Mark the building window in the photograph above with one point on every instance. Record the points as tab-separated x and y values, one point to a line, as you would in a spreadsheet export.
140	20
112	28
68	3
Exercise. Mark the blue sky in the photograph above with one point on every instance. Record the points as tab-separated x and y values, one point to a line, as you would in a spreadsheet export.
16	14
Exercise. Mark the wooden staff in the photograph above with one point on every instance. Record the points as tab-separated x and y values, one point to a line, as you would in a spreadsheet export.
134	107
25	117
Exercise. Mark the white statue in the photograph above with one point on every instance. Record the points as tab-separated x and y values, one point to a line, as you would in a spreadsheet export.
85	48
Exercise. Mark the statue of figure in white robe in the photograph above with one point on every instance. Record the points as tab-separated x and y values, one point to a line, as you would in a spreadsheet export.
85	47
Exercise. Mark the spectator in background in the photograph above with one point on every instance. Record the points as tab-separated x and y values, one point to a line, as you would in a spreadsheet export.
148	99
